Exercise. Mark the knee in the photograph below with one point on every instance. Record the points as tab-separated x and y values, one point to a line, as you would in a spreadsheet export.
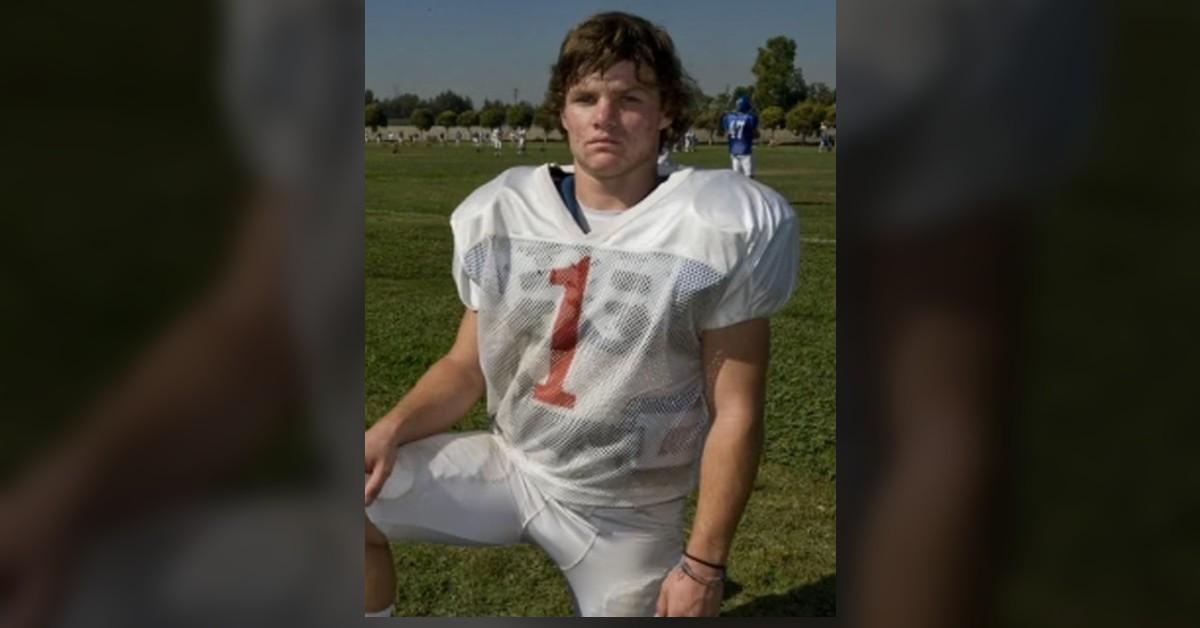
635	598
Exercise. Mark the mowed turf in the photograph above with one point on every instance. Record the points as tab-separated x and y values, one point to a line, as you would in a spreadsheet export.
783	561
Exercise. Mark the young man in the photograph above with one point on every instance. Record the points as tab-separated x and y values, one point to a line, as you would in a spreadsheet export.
741	127
617	322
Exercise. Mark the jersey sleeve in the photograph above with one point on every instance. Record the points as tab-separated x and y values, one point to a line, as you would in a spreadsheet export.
472	224
763	282
466	225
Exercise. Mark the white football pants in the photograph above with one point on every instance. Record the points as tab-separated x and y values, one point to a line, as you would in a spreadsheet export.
743	164
462	489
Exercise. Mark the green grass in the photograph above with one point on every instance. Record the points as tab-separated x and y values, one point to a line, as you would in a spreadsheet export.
783	561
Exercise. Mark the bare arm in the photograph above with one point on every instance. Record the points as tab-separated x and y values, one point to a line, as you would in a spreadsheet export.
441	398
948	314
735	361
735	372
215	379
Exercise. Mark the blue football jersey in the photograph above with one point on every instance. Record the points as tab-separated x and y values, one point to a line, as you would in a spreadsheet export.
740	127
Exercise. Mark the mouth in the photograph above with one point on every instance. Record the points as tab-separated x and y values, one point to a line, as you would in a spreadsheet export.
602	142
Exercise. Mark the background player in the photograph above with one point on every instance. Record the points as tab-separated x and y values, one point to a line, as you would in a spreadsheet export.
741	127
497	143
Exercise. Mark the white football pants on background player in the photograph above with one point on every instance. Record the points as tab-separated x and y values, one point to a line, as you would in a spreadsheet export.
463	489
743	164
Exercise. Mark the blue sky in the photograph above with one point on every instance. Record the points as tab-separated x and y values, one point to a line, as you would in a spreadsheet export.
485	49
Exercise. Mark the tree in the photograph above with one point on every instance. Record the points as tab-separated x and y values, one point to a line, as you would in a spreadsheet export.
491	118
777	81
545	120
370	97
821	94
422	119
742	90
799	89
400	107
831	115
519	115
771	118
447	118
375	117
468	119
710	115
721	103
492	104
805	118
708	120
450	100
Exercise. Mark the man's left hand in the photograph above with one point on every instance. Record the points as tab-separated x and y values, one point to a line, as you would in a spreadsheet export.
683	596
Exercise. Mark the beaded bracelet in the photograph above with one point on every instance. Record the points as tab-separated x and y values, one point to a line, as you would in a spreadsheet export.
708	582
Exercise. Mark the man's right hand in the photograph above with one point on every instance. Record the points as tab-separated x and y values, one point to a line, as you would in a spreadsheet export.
443	396
380	457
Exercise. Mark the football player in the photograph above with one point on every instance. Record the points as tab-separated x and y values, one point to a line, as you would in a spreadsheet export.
616	321
497	142
741	127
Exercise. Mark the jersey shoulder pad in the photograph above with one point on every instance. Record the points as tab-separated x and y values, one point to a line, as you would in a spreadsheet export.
732	202
517	181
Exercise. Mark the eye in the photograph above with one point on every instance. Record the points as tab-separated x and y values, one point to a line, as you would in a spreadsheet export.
633	98
583	97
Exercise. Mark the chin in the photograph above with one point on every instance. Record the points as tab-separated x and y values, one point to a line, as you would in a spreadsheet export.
605	165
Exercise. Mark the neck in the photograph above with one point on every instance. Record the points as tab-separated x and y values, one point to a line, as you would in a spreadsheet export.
617	192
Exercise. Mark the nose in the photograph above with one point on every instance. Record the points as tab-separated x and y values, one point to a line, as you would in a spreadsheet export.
606	113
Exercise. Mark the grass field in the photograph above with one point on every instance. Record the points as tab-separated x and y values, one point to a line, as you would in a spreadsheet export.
783	560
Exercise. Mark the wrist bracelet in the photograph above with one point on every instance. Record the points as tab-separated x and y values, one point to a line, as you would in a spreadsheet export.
704	562
708	582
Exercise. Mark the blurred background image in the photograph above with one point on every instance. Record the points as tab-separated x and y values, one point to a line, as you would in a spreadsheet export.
1012	343
183	311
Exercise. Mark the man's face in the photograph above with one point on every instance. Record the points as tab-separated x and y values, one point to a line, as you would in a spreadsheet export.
613	121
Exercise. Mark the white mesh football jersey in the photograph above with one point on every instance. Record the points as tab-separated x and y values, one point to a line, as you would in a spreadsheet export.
590	342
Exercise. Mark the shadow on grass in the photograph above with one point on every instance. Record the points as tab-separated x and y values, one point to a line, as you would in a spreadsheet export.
815	599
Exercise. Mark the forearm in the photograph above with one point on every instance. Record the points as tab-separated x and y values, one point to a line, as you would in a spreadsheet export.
192	407
727	471
195	401
440	399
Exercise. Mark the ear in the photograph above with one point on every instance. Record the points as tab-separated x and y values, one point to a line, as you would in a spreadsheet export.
665	123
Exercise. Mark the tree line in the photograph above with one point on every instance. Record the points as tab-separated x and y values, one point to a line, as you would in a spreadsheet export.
780	95
449	109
